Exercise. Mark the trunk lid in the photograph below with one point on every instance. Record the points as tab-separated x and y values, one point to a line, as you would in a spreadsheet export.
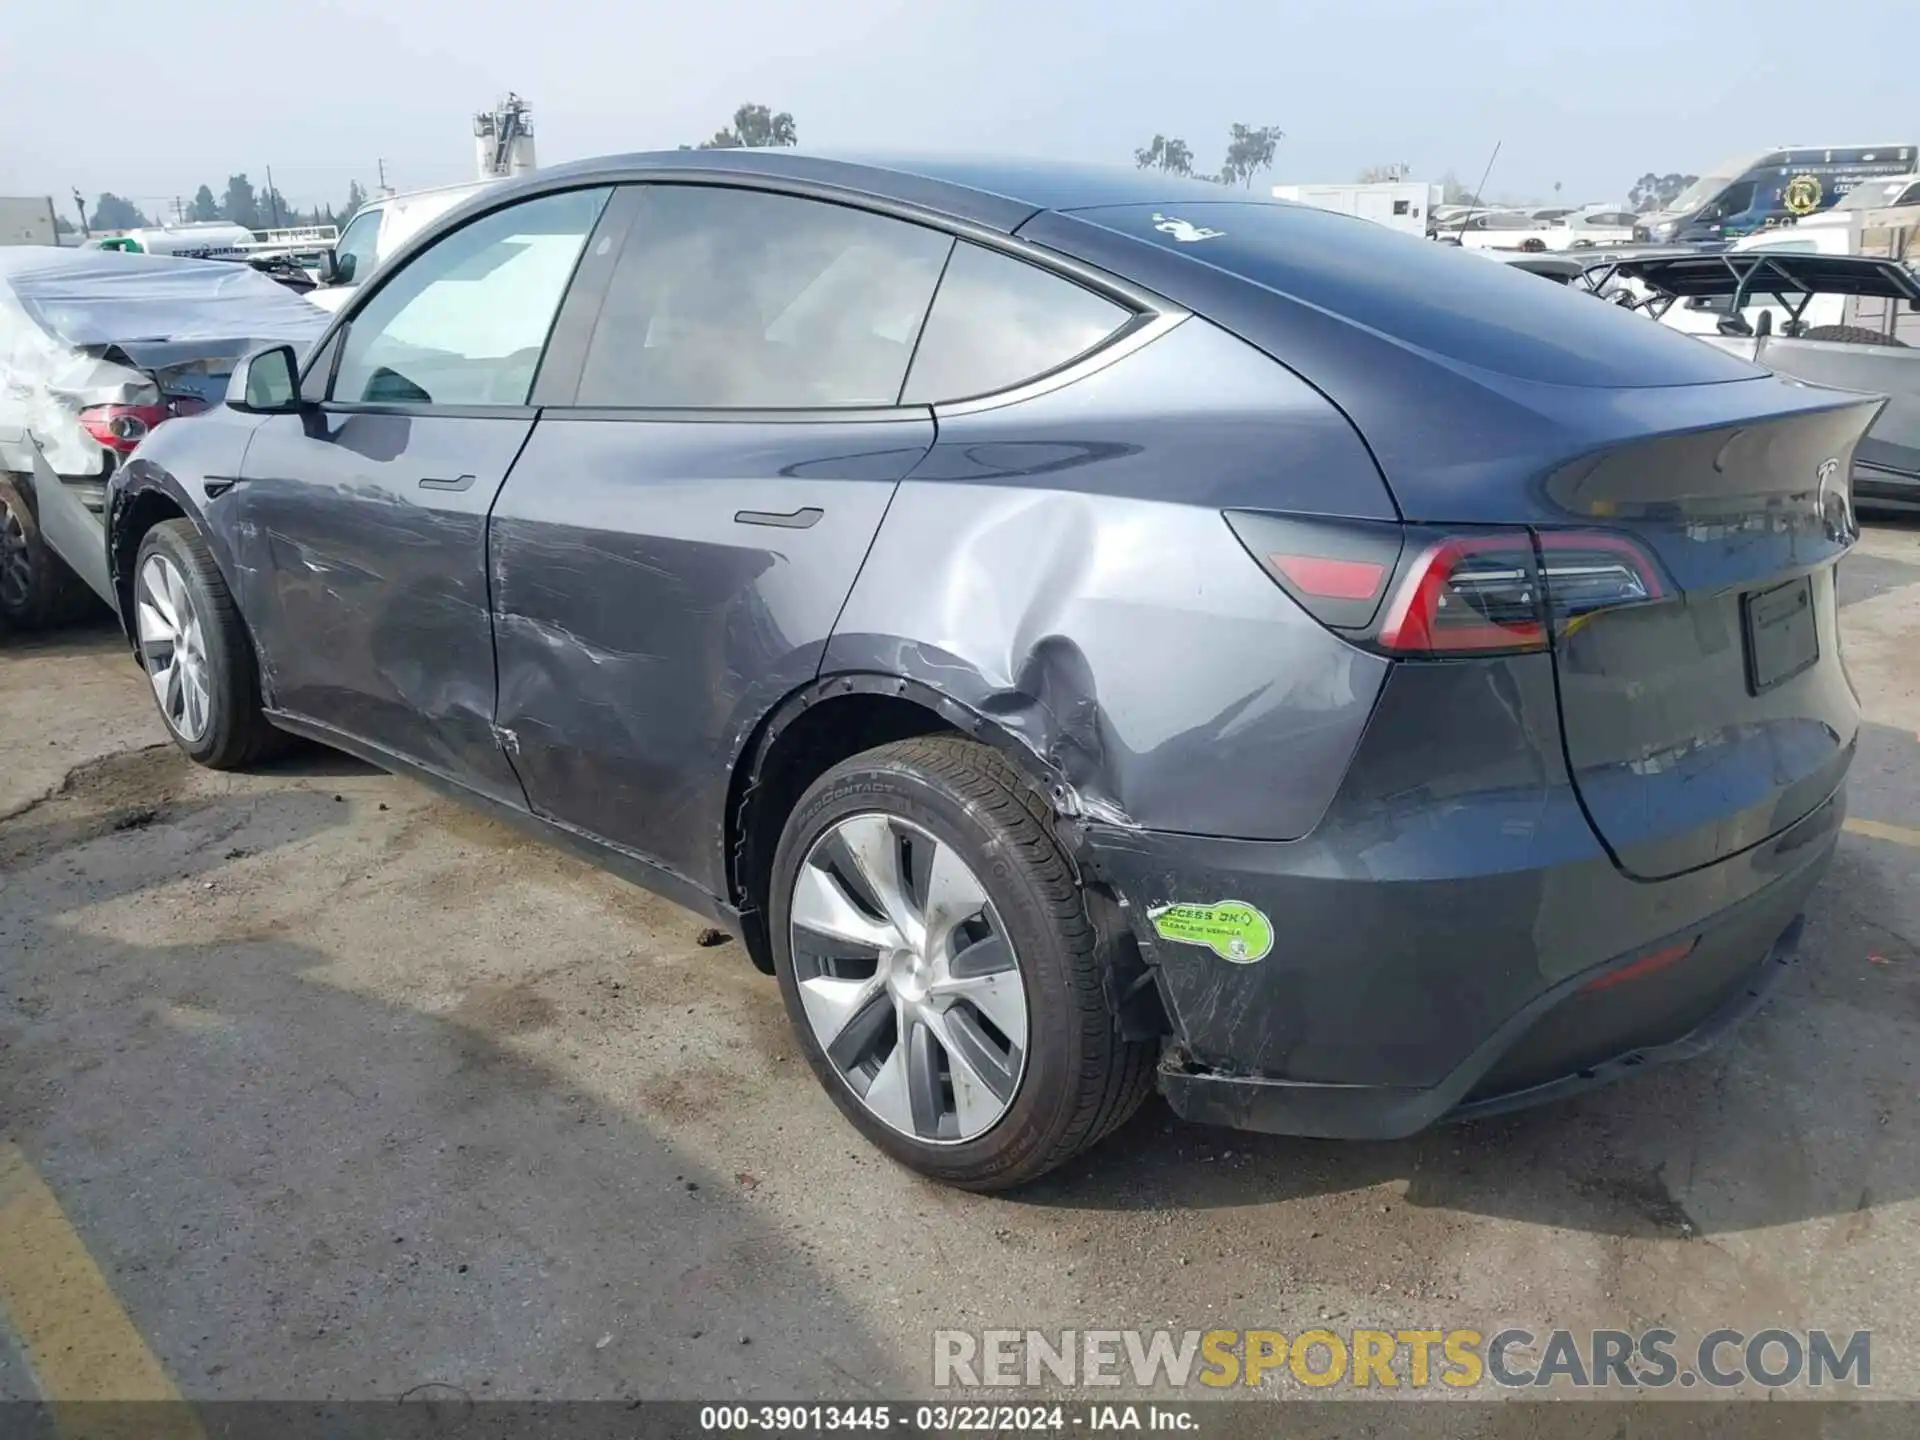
1714	715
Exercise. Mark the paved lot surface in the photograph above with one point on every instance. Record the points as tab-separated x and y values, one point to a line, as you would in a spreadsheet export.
342	1092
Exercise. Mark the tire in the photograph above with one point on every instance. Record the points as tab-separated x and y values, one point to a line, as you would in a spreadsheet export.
37	589
233	732
1853	335
1078	1078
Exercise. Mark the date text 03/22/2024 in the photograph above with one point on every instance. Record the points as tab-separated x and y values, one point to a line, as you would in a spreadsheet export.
946	1419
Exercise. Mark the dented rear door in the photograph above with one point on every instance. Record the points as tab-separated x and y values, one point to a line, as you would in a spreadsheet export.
659	584
720	436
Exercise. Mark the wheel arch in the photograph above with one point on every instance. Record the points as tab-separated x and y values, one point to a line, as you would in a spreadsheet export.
148	496
133	515
815	728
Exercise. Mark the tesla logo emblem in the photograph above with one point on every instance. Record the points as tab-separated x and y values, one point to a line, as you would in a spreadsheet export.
1184	231
1836	505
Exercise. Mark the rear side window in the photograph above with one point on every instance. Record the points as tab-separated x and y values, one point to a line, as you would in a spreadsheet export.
737	299
999	322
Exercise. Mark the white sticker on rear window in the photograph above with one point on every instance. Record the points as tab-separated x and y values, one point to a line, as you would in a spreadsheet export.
1184	231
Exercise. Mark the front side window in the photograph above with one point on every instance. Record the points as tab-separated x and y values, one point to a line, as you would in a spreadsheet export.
353	256
741	299
465	322
999	322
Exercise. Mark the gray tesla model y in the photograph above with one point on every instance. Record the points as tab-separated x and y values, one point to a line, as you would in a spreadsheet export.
1084	631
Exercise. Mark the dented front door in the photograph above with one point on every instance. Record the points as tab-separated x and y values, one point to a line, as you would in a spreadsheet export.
361	541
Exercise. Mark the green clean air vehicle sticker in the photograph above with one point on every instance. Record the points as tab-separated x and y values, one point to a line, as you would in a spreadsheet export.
1232	929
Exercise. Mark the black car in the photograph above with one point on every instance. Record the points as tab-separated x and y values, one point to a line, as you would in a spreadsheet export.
1081	631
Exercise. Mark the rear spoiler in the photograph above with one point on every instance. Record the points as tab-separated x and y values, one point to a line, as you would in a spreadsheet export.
1686	276
1655	283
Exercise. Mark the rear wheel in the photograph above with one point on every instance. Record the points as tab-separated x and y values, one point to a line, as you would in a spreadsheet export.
198	657
939	966
37	589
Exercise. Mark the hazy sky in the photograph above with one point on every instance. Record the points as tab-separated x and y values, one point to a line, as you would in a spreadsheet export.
1591	95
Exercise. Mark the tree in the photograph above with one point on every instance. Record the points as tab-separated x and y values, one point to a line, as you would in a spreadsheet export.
1657	192
754	126
62	225
111	212
240	205
1382	174
1174	156
204	206
1452	192
356	197
1249	151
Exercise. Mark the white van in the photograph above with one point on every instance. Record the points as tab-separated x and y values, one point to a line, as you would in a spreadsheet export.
379	228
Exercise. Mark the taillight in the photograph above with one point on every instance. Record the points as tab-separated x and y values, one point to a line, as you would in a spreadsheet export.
1336	569
1587	571
122	427
1468	595
1422	591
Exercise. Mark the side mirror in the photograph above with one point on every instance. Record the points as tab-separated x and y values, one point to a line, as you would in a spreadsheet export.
327	272
266	382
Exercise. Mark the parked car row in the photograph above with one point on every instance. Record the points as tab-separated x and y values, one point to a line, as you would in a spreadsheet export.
1540	229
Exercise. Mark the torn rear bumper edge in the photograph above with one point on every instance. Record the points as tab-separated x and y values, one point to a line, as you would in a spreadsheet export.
1370	1112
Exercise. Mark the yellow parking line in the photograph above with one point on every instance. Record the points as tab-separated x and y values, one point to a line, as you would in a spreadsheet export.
1877	830
78	1340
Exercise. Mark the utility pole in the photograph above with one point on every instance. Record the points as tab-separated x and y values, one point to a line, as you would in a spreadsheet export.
81	205
273	198
383	175
179	212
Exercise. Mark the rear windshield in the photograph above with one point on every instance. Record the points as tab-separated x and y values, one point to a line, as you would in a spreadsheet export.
1464	307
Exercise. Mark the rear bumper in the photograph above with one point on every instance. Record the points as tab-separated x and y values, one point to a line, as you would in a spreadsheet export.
1361	1112
1389	1003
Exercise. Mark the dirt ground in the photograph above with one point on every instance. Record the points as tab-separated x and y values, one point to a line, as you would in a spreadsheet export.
346	1092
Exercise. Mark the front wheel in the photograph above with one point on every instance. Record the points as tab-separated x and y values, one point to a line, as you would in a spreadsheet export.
198	657
939	966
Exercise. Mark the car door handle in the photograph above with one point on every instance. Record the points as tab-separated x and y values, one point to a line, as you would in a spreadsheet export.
801	519
459	482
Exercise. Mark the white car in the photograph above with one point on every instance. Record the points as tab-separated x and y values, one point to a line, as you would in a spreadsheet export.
379	228
97	349
1535	230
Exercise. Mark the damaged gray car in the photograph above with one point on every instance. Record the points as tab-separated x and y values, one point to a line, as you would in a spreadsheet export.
97	349
1083	633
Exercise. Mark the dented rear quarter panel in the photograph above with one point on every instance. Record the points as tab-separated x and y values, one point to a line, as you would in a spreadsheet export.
1061	567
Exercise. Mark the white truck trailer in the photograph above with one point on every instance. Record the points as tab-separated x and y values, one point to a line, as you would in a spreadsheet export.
1403	205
